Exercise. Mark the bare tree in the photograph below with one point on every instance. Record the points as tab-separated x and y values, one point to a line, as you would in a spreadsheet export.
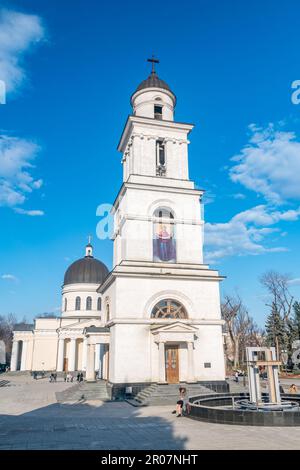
241	328
6	331
277	285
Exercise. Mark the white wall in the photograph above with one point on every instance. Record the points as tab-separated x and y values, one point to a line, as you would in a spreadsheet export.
134	224
135	297
84	290
143	103
130	354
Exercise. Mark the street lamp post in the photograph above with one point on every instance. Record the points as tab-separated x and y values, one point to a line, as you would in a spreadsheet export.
284	358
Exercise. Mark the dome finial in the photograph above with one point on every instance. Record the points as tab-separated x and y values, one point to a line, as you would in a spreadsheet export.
89	248
153	61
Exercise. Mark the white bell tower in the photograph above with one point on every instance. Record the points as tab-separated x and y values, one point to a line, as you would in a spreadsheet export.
165	321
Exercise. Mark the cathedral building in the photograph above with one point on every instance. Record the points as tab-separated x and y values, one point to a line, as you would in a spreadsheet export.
155	318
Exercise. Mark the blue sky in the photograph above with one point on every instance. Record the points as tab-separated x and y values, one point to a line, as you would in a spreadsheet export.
70	68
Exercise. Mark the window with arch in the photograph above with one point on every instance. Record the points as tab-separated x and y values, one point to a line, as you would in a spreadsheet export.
77	303
99	303
164	240
107	313
66	305
169	308
89	303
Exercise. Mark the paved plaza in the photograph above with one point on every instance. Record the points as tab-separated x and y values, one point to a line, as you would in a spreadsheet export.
30	418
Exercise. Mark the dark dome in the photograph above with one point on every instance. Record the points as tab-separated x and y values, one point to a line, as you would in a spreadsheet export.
153	81
86	270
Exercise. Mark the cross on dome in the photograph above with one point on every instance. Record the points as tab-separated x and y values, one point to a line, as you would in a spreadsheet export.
154	61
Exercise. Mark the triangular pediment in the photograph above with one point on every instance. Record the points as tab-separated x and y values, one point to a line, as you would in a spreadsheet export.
175	327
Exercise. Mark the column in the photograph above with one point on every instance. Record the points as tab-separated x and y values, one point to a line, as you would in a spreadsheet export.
161	362
84	354
24	355
105	362
90	367
71	364
97	357
190	371
14	356
60	355
101	359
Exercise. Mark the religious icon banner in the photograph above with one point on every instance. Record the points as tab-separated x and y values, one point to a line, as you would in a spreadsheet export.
164	242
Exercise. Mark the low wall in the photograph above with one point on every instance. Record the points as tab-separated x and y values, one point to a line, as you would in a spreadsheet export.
207	408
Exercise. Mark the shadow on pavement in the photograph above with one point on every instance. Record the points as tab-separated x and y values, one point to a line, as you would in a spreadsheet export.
82	425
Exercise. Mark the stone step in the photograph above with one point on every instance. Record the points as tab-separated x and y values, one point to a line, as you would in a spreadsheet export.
166	394
16	373
84	391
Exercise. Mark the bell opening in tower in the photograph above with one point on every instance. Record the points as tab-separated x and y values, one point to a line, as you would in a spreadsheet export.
160	158
158	112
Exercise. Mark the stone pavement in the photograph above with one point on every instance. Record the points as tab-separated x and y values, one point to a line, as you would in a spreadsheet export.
31	419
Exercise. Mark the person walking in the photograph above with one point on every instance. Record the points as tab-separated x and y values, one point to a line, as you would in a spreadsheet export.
81	377
236	375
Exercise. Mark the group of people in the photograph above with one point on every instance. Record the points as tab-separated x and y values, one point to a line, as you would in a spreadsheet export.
80	377
68	377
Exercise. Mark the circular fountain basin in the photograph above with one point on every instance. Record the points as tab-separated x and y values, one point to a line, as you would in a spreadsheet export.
236	408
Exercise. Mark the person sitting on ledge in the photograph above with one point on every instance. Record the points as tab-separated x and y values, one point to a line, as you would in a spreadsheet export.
293	389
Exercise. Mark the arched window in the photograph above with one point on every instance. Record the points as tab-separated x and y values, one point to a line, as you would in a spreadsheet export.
78	303
66	305
107	312
99	303
169	308
164	241
89	303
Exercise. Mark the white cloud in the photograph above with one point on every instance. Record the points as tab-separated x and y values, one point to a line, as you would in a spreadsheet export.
9	277
263	215
19	32
16	168
31	212
208	197
238	196
295	282
245	233
269	164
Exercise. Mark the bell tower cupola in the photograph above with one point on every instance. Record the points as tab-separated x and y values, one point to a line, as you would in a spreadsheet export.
153	97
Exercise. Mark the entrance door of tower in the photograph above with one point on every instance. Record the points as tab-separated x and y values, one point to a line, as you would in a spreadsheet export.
172	363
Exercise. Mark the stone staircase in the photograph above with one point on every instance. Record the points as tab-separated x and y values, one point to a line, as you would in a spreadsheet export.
84	391
17	373
166	394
